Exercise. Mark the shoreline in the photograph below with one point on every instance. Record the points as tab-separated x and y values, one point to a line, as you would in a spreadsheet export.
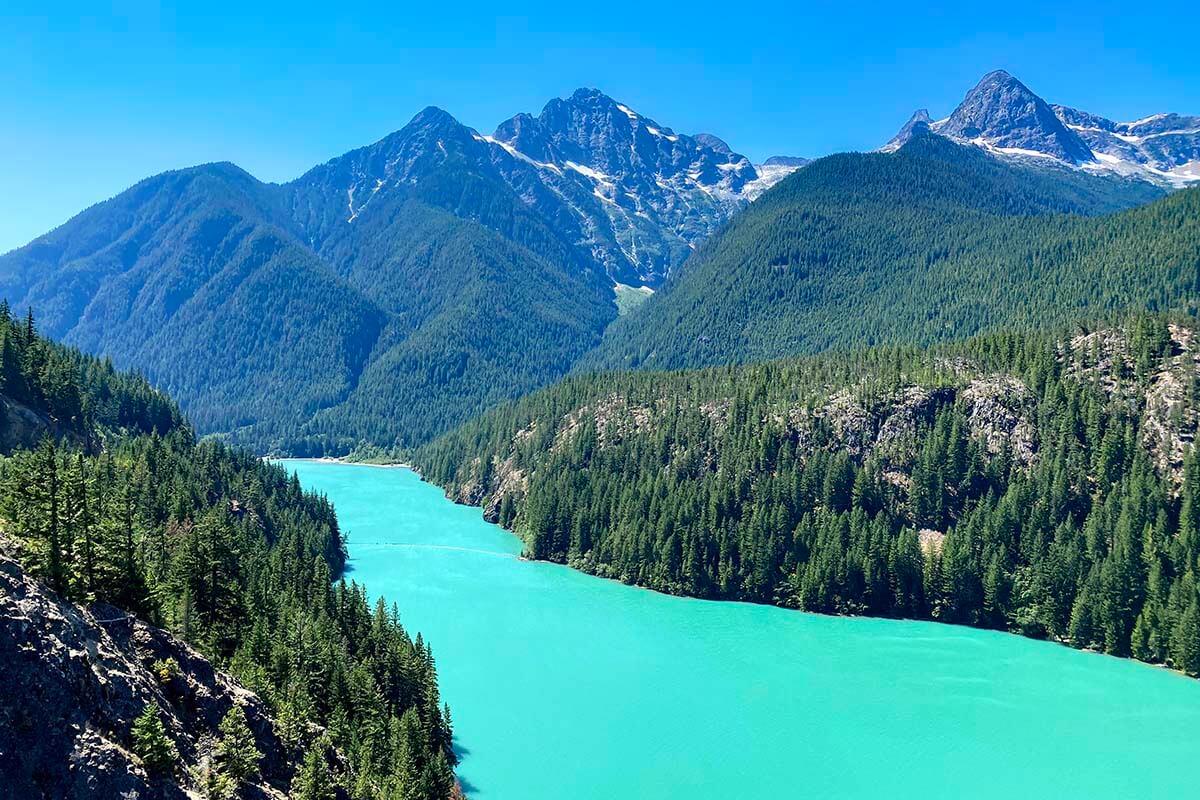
330	459
1003	632
723	600
338	460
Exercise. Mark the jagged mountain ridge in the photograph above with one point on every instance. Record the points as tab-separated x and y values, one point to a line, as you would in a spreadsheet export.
661	191
1164	145
633	195
1002	115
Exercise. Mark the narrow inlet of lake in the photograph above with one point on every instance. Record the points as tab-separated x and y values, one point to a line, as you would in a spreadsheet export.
562	685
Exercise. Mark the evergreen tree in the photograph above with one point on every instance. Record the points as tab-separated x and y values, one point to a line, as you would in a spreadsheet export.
1185	641
236	750
151	743
313	780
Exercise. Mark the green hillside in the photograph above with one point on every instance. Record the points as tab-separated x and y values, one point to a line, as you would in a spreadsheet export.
116	502
935	242
1034	483
279	323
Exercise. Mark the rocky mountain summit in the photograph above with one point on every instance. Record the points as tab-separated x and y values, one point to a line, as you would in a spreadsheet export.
633	195
643	193
1003	116
75	679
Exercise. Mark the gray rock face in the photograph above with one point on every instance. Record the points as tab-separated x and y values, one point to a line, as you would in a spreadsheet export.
1004	113
648	192
919	119
75	679
23	427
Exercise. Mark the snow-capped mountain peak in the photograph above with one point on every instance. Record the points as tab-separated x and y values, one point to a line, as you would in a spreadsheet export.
641	193
1002	115
632	194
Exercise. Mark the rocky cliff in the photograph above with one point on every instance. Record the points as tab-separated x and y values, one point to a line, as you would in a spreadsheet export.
22	426
74	681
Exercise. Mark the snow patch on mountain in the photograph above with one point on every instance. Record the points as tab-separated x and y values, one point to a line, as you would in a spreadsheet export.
515	153
1161	147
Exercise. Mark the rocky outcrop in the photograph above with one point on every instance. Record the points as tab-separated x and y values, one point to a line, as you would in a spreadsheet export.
74	681
507	481
23	427
888	428
1170	421
998	411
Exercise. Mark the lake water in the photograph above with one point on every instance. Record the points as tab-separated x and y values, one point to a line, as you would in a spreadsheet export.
566	686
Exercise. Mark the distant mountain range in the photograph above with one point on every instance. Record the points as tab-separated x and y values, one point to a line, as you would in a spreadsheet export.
1003	116
631	194
392	291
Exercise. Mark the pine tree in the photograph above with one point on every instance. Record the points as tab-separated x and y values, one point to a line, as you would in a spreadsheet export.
118	566
236	750
409	777
151	743
1185	641
313	780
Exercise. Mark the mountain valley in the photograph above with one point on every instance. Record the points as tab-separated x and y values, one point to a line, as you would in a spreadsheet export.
631	425
393	292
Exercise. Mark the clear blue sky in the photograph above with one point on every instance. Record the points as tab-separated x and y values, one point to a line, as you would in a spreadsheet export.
95	100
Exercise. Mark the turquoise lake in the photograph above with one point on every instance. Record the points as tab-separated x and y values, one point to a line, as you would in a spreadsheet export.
565	686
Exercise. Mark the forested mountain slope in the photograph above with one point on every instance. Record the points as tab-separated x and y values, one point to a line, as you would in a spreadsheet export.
401	288
936	241
193	278
120	511
393	291
485	299
1042	484
275	318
